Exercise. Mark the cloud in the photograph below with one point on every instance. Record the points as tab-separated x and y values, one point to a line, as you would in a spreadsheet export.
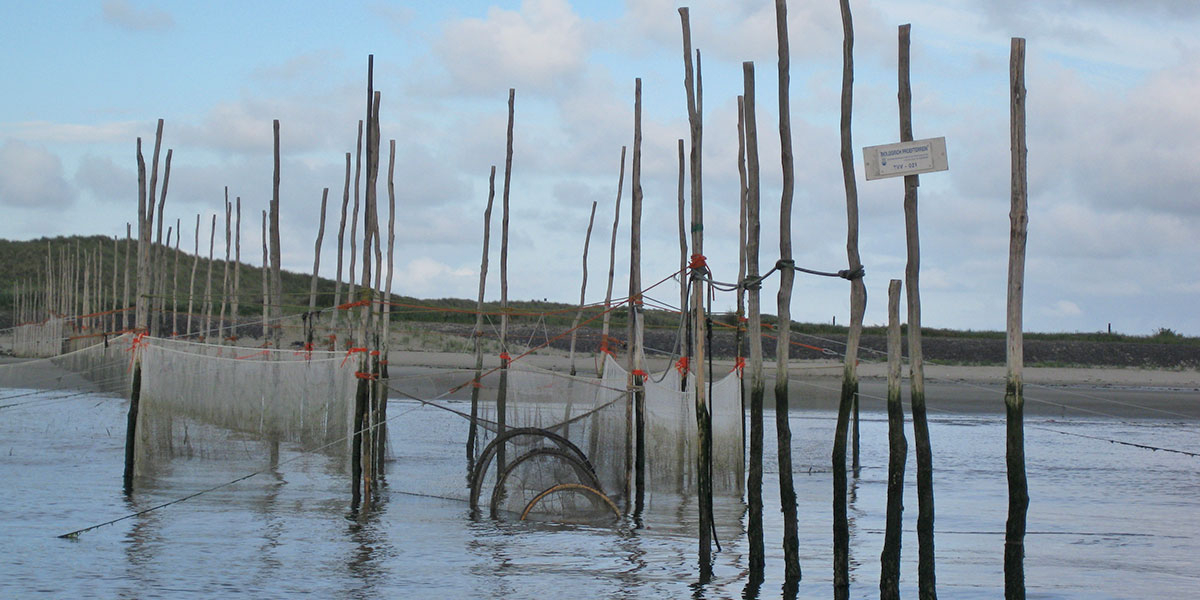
105	180
541	46
124	15
32	177
1062	308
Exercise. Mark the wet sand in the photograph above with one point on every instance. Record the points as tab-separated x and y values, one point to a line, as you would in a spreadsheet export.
1106	393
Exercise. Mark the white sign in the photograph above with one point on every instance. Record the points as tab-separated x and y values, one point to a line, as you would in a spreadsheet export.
905	158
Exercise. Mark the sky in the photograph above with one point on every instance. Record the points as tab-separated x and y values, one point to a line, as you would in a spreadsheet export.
1113	139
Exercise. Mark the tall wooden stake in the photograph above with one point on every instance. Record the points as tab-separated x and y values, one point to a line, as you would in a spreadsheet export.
477	334
927	581
699	317
192	282
612	263
128	320
159	263
174	282
266	285
681	205
337	290
1014	396
136	386
636	356
858	304
787	490
502	392
753	301
587	241
276	282
221	334
237	262
889	559
208	298
312	287
354	215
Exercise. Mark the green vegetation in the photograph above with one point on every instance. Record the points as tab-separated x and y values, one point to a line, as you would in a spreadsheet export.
25	262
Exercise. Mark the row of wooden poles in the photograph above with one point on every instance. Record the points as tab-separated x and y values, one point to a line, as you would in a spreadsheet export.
370	412
370	312
749	285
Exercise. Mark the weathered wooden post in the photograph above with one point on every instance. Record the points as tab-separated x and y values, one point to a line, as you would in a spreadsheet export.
351	297
266	285
927	581
237	262
310	320
612	263
477	334
636	356
698	316
683	242
192	281
127	321
889	559
787	490
221	334
135	390
1014	398
337	289
587	241
753	286
502	392
208	303
174	282
858	303
276	282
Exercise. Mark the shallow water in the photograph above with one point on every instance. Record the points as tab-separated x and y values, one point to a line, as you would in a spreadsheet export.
1105	520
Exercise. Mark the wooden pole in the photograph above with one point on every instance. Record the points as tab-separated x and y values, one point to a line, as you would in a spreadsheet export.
276	282
208	298
266	285
143	263
927	582
636	357
477	334
159	268
683	242
113	305
753	306
858	303
740	342
237	265
502	392
192	281
312	287
136	384
787	490
386	320
587	241
354	216
174	282
612	263
1014	396
699	317
889	559
221	334
151	322
128	319
337	289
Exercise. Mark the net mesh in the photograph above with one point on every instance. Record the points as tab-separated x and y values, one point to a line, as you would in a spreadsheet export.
210	401
39	340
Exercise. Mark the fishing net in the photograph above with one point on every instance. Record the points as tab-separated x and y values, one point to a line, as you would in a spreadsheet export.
39	340
102	368
219	402
564	451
